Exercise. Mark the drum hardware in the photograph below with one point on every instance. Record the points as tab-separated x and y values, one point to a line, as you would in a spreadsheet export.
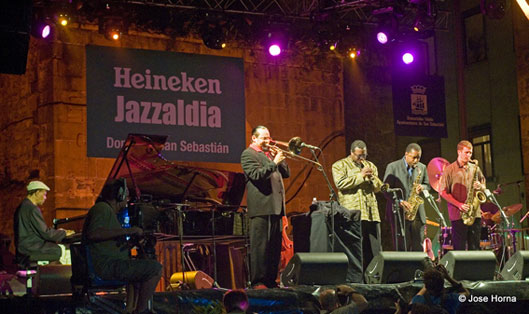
508	210
435	170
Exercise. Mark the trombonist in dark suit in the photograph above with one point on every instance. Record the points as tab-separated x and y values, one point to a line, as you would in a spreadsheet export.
264	168
402	174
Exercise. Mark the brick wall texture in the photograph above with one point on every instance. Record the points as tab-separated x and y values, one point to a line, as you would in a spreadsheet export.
43	125
521	42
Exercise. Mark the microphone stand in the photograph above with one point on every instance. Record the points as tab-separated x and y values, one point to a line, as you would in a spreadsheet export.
398	221
441	236
493	199
433	203
332	195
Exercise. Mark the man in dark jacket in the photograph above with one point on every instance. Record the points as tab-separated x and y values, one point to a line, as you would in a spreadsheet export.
264	168
34	240
403	174
103	235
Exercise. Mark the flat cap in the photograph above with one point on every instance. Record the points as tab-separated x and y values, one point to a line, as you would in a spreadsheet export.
37	185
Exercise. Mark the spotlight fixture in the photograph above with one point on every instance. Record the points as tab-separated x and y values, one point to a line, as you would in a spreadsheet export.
63	19
425	17
407	58
112	27
214	37
41	28
524	5
353	53
382	37
275	42
387	30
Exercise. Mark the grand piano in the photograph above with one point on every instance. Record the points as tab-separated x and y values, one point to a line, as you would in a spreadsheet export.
191	215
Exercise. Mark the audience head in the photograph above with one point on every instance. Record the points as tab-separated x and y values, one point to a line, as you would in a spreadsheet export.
329	300
434	281
235	300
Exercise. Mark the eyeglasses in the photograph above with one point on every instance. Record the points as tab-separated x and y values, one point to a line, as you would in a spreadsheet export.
360	156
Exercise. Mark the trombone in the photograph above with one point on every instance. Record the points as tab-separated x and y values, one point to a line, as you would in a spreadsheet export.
294	148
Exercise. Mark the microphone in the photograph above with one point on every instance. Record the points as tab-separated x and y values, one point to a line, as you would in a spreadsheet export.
392	190
426	193
488	194
309	146
498	190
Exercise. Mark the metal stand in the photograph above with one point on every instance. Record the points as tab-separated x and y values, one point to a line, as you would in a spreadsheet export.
246	229
332	196
180	216
213	242
399	222
507	223
442	220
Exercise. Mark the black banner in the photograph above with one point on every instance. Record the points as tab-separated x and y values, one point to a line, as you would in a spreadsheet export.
419	106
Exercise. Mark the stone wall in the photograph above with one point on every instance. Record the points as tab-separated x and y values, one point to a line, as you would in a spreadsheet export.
521	46
43	128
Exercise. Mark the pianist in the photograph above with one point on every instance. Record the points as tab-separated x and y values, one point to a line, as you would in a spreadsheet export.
34	240
102	233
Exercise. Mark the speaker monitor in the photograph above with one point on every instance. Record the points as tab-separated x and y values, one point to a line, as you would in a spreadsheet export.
394	267
315	269
517	267
470	265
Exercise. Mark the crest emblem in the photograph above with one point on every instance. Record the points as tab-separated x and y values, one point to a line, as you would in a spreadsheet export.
419	100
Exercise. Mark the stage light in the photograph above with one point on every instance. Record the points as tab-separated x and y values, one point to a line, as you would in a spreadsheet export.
524	5
213	37
332	47
275	43
382	37
63	19
274	50
387	30
407	58
41	28
353	53
112	27
114	34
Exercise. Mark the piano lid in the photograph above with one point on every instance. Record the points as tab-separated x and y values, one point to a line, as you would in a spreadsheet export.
148	172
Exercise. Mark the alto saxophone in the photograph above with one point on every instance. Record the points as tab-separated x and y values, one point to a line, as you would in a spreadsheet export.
474	199
414	199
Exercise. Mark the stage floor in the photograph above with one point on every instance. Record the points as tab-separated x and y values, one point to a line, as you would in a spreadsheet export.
507	297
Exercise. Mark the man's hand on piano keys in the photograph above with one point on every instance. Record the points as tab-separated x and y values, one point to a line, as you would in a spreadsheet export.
68	232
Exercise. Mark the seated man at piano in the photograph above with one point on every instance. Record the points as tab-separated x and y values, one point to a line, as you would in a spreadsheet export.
34	240
104	237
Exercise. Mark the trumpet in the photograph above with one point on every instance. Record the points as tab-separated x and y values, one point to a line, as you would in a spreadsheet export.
375	179
293	150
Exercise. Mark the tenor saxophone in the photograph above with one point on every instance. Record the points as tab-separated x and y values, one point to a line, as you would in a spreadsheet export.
414	199
474	200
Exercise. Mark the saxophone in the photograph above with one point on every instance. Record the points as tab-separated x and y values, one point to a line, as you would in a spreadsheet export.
474	199
414	199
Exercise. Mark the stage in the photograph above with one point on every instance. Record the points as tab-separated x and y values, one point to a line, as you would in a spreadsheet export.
486	297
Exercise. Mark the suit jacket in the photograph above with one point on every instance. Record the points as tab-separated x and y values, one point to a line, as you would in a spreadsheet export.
264	181
396	176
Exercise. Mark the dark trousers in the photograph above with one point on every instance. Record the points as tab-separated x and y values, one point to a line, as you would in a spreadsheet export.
265	249
414	231
371	243
463	235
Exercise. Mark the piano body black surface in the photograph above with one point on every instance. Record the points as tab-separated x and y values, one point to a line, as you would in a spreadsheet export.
159	189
